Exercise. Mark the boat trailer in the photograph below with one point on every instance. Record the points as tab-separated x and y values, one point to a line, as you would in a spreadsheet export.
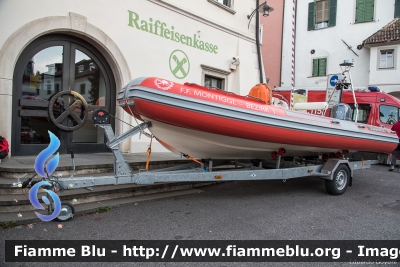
337	172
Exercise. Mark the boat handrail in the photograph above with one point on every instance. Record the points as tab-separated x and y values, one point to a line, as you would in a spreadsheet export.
283	98
311	106
190	84
203	87
215	88
247	96
195	85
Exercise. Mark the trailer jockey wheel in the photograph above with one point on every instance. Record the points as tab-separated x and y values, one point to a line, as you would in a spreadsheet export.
67	212
68	105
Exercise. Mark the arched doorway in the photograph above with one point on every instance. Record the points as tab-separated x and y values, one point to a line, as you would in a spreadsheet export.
49	65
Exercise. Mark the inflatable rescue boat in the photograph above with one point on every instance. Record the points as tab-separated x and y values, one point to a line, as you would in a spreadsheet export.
209	123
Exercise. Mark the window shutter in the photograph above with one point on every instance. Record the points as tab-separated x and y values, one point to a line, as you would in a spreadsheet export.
397	9
315	68
332	13
311	15
322	67
369	10
360	11
325	10
319	11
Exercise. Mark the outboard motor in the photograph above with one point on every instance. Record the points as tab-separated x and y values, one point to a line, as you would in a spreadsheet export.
341	111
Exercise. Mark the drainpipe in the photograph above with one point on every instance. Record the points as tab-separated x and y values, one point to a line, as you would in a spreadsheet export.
258	41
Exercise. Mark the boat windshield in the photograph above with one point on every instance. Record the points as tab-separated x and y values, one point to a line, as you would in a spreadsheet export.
363	112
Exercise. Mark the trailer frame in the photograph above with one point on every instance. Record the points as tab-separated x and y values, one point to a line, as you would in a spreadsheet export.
337	173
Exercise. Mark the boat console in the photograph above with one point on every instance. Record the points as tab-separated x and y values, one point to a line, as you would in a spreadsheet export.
341	111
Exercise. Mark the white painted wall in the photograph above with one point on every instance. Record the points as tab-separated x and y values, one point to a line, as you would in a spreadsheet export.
132	52
205	9
387	80
327	42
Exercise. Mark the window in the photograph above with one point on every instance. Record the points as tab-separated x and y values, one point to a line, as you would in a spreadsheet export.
319	67
321	25
386	59
80	68
82	89
388	114
397	9
214	77
363	112
364	10
321	14
210	81
92	67
226	5
225	2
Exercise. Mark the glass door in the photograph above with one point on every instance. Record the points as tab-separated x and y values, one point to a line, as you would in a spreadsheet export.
53	64
89	81
42	77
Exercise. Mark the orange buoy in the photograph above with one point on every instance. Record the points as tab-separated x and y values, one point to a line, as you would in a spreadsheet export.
261	91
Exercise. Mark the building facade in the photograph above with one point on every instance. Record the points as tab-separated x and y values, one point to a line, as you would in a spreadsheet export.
384	47
327	32
95	48
271	42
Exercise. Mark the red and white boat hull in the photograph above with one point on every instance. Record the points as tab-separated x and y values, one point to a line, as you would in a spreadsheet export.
202	144
208	123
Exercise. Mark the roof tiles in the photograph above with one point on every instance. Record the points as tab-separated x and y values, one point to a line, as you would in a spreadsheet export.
389	33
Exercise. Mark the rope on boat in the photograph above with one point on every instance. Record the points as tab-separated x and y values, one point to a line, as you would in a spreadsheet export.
183	154
151	140
141	130
160	141
126	102
120	120
148	154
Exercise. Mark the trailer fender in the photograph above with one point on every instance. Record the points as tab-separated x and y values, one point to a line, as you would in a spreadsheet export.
332	164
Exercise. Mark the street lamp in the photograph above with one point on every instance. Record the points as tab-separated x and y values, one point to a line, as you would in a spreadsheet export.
265	9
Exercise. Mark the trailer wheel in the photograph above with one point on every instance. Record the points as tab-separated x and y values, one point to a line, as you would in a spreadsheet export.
67	212
340	181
